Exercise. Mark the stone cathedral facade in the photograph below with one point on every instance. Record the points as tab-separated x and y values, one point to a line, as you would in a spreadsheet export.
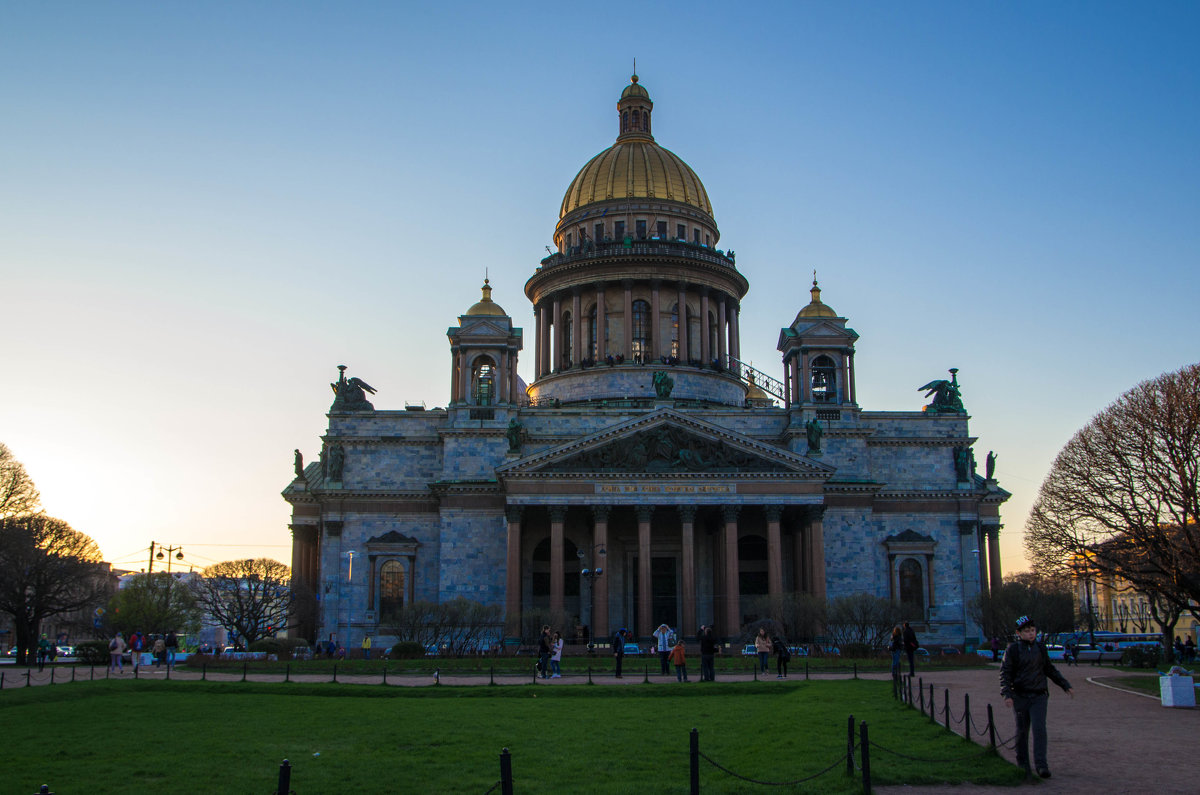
644	448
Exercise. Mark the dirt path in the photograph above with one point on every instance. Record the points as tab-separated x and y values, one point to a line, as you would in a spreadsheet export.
1101	741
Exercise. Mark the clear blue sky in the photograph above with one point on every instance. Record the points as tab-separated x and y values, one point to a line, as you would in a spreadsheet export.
206	207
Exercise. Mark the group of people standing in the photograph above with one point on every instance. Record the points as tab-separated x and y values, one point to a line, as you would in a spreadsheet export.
162	648
550	649
765	646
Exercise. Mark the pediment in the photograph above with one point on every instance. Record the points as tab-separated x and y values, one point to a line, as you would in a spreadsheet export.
666	442
491	327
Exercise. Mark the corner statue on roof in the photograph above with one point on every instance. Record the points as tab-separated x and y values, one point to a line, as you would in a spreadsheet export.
350	394
947	399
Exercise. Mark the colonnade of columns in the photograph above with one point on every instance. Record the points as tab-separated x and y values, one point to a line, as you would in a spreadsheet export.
987	538
556	342
807	555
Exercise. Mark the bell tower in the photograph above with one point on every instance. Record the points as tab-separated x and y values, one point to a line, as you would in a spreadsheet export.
484	348
818	359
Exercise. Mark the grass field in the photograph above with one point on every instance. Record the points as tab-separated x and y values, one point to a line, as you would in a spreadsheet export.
123	736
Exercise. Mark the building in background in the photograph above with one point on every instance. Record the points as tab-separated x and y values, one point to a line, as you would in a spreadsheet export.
644	448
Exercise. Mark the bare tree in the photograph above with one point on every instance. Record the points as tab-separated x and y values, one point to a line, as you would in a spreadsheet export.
861	619
17	493
46	569
250	598
800	616
1123	496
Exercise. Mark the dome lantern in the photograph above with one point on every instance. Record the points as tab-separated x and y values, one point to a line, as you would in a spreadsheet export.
633	112
485	305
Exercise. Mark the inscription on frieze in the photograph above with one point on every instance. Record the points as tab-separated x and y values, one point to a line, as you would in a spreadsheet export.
666	449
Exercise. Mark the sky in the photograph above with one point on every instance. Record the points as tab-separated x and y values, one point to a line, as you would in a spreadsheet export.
206	207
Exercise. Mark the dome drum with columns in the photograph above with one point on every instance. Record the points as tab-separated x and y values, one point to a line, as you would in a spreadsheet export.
706	490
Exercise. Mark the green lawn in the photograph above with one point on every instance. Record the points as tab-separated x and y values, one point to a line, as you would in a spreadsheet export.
135	736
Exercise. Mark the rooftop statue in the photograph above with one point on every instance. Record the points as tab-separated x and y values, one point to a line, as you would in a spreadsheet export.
350	395
947	399
813	431
663	384
990	465
298	463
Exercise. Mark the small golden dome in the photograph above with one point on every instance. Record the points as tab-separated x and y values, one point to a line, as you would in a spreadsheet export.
486	305
634	90
815	307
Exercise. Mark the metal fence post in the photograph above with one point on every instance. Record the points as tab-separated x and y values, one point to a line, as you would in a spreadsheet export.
694	762
932	704
203	671
245	666
384	675
921	696
947	701
646	678
850	746
590	682
506	781
866	760
806	670
856	669
335	673
991	729
967	715
27	673
287	673
285	778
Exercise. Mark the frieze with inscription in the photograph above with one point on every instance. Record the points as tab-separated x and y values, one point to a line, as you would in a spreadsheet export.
666	449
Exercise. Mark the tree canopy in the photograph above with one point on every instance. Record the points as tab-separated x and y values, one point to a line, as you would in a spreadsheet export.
1122	498
250	598
17	493
156	602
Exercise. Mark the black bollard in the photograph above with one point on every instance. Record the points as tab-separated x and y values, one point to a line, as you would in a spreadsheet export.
850	746
27	672
590	682
921	697
285	778
287	673
856	669
967	716
806	670
506	781
694	762
335	673
245	665
646	679
51	674
866	760
932	705
203	671
991	729
947	701
385	674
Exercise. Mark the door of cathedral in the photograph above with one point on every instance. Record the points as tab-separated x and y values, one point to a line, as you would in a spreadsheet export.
664	591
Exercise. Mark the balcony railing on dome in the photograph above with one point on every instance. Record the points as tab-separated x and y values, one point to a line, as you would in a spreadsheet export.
752	376
647	247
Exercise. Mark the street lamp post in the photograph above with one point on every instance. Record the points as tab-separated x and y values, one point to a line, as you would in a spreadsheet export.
349	579
588	576
161	549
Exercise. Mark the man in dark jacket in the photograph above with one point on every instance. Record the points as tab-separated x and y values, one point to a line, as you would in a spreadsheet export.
708	652
910	648
1023	674
619	650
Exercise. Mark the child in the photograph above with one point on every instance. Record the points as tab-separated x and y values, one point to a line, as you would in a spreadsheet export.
679	660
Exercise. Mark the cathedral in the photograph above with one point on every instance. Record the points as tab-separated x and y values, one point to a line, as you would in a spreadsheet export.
647	475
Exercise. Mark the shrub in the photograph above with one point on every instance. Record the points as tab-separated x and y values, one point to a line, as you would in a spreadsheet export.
857	650
1142	656
271	646
407	650
92	652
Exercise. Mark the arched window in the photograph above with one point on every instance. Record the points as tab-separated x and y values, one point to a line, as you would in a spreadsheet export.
391	590
824	380
637	120
912	587
568	340
483	381
625	121
641	328
713	330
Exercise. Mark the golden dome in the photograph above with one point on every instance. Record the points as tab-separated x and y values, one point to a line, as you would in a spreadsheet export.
635	167
486	305
815	307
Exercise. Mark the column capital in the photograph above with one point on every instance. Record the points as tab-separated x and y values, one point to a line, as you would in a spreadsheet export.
558	513
600	513
513	513
966	526
815	513
730	512
687	513
644	512
773	512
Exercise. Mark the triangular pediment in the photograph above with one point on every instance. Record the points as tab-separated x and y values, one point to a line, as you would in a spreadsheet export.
498	327
666	442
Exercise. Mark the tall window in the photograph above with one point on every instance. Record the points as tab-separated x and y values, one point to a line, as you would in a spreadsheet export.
618	230
696	236
595	352
641	229
912	587
599	233
681	231
662	230
625	121
483	382
675	331
641	328
391	590
713	330
824	380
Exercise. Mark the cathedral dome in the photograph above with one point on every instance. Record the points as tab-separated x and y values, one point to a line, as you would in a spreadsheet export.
816	308
485	305
635	167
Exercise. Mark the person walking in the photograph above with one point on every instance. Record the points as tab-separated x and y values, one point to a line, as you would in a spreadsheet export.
543	664
910	648
43	651
619	650
1023	673
782	657
136	642
762	645
708	654
556	651
897	649
679	660
159	650
366	647
172	642
116	649
664	644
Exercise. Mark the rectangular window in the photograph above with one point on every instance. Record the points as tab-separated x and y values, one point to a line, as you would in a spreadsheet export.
662	230
681	231
696	236
707	241
599	232
619	230
641	230
568	242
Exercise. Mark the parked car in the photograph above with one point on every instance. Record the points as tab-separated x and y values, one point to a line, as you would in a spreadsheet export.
632	649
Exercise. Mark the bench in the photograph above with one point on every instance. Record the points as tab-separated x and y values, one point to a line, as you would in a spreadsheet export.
1097	657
